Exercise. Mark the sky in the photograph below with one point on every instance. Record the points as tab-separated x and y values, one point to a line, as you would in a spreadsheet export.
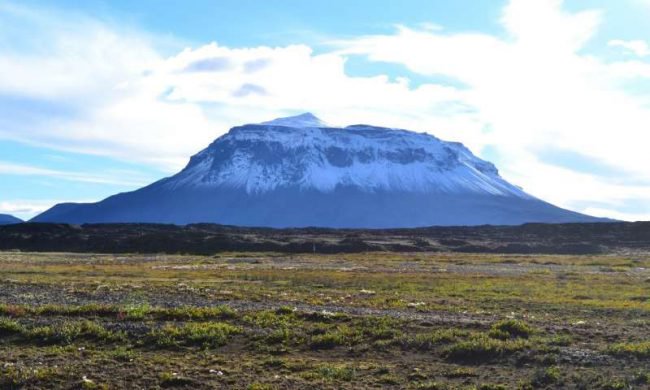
100	97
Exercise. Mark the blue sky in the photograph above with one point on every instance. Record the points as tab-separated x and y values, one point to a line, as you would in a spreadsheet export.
100	97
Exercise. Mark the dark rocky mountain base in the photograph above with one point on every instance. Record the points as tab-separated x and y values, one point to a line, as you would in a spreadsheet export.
574	238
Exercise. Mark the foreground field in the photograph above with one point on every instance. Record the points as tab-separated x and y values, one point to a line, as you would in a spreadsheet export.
380	320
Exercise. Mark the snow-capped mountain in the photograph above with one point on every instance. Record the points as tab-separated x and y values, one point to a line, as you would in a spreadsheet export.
6	219
299	171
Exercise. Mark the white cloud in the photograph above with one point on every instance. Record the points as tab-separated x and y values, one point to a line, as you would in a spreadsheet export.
121	178
537	91
109	91
89	79
637	47
25	209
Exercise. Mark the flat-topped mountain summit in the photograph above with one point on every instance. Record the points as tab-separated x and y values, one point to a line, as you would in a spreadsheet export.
300	171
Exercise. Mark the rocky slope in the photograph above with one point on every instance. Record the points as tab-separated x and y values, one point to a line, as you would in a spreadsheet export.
298	171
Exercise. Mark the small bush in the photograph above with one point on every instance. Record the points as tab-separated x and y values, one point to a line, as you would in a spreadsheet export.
9	327
546	376
427	341
506	329
560	340
169	379
207	334
341	373
271	319
341	335
284	310
279	336
67	332
190	313
13	377
481	347
640	350
137	311
379	328
327	341
122	354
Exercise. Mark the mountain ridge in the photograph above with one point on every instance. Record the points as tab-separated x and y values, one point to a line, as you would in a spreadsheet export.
7	219
298	171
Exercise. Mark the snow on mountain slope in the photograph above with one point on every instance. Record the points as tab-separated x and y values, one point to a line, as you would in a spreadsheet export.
275	154
299	171
303	120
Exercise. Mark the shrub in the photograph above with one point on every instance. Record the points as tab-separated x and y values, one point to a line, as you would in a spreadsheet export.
8	327
560	340
284	310
640	350
481	347
67	332
342	373
207	334
379	328
196	313
136	311
426	341
341	335
122	354
506	329
327	341
546	376
169	379
270	319
279	336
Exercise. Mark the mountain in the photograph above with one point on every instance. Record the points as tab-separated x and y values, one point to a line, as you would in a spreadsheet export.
6	219
299	171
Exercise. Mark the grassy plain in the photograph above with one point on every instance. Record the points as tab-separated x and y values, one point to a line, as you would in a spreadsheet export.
277	321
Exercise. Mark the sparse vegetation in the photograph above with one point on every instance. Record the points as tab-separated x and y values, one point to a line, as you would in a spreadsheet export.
267	321
507	329
481	347
640	349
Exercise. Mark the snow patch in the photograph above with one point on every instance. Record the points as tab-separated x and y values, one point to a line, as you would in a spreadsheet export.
302	152
303	120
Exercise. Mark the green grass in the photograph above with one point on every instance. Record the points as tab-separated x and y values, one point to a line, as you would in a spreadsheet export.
336	373
205	334
170	379
506	329
546	376
9	327
433	339
639	350
377	320
481	347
